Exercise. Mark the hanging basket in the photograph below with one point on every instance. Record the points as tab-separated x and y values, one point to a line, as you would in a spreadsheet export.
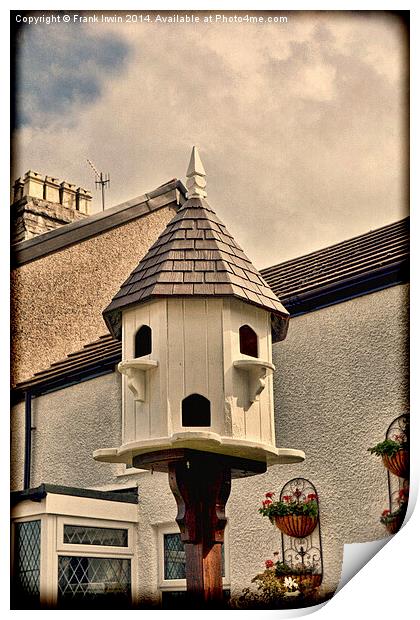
297	526
395	524
398	464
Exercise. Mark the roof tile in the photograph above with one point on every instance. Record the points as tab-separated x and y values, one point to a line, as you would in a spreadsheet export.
204	265
194	276
352	258
183	289
195	255
203	289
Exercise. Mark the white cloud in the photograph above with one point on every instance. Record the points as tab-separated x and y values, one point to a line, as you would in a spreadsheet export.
299	126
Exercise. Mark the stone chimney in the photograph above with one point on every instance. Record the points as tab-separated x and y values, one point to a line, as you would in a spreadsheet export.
42	203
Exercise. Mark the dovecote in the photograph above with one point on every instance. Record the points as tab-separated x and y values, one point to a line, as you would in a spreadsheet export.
195	319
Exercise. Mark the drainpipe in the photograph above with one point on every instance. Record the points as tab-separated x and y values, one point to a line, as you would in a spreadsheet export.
28	440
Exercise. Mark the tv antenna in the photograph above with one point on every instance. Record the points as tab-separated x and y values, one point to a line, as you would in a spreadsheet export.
102	180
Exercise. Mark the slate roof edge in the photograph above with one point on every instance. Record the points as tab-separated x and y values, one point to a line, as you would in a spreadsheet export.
36	494
303	257
350	287
74	368
76	232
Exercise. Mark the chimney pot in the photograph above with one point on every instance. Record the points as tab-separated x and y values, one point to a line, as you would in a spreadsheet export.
52	189
33	184
17	189
68	194
83	199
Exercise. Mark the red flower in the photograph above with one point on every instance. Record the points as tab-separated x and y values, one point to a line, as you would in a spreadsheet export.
269	563
402	496
385	513
311	496
287	498
270	494
267	502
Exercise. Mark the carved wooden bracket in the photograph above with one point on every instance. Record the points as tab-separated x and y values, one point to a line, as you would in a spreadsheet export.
201	487
257	371
135	371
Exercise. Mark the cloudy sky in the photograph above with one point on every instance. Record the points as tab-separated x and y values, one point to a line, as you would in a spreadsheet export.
300	125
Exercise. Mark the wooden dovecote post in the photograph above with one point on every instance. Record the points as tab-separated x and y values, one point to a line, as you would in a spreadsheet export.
197	322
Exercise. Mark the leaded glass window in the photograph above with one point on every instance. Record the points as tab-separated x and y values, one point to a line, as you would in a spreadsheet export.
27	552
84	579
83	535
174	557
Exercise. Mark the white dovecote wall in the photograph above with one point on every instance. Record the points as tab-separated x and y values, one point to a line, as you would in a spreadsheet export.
196	348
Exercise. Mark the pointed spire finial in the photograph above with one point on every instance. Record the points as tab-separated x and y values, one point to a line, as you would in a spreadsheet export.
196	176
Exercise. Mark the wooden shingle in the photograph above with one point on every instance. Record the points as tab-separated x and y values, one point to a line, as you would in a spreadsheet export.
195	255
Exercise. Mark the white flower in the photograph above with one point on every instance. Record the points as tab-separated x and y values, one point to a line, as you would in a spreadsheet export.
291	584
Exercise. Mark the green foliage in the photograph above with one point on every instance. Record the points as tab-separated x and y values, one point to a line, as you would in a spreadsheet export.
293	507
269	592
399	513
284	570
388	517
389	447
273	588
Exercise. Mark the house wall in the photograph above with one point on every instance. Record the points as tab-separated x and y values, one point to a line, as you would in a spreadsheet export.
57	302
340	379
69	423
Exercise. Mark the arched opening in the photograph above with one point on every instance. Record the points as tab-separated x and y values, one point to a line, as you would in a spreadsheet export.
143	341
195	411
248	341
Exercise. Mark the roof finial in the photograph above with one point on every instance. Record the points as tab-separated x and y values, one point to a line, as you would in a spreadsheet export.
196	176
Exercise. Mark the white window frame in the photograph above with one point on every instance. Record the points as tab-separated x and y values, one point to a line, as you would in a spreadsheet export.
180	585
97	551
52	511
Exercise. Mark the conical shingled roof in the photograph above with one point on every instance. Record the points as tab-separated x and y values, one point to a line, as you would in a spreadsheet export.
196	256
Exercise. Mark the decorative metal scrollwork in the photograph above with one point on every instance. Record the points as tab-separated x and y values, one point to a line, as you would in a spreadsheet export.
303	554
398	430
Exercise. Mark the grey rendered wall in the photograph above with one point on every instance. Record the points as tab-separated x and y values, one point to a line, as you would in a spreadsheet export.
341	378
69	425
57	301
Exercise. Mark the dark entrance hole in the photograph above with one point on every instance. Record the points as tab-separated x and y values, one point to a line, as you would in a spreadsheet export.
195	411
248	341
143	341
